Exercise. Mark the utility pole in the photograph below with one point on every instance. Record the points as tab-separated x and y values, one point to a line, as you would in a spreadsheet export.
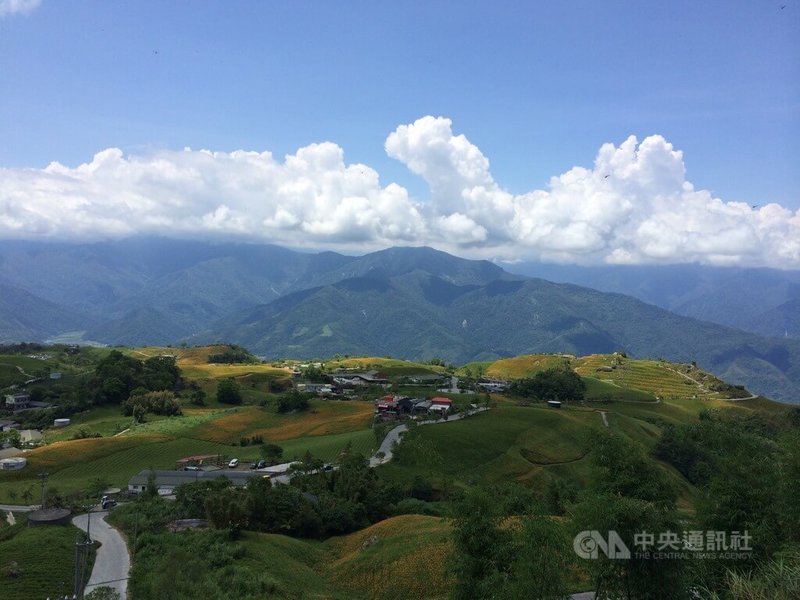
81	551
43	477
88	523
81	556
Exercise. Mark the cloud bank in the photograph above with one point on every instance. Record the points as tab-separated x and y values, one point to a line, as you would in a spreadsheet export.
14	7
633	205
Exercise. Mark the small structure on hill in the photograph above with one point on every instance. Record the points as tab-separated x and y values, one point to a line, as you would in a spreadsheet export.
440	404
17	401
61	422
30	436
167	481
554	403
496	386
6	425
13	464
49	516
360	378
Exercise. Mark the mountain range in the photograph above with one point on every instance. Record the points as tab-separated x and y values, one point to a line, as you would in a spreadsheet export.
415	303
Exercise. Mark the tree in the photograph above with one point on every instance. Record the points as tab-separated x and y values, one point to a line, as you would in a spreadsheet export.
9	438
198	397
543	556
629	493
639	577
482	559
622	469
103	593
307	464
227	509
228	392
272	453
151	490
292	401
561	384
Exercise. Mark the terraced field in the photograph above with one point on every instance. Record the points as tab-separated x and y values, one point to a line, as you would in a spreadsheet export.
520	367
658	378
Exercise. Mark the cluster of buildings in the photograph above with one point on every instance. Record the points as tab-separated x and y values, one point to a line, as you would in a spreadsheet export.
393	407
20	402
343	381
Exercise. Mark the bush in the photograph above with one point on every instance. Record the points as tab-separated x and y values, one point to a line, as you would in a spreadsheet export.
157	403
293	401
228	392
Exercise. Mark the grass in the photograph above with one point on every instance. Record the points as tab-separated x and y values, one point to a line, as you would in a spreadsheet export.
328	447
598	389
659	378
521	367
74	464
401	557
290	564
43	573
324	417
105	420
508	442
391	367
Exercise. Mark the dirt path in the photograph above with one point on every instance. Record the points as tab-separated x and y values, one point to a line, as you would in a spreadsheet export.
603	415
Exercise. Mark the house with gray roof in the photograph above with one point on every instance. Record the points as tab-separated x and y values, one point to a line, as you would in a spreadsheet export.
167	481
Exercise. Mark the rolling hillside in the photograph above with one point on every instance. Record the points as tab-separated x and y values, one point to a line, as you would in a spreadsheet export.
418	315
406	302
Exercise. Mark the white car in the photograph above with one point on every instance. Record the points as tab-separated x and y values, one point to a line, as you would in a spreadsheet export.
234	463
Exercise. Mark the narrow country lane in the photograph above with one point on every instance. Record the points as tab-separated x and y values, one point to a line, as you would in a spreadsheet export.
113	562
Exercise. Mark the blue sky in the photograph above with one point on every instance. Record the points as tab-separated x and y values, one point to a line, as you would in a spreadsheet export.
536	87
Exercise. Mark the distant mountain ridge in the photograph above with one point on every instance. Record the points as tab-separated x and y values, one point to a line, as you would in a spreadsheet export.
415	303
763	301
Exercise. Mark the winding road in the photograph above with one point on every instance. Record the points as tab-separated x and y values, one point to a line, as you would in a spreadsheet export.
394	435
112	562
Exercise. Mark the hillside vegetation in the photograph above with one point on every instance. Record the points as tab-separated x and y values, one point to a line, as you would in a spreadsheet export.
674	424
415	303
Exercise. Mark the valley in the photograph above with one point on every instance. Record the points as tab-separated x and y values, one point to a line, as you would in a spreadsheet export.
519	448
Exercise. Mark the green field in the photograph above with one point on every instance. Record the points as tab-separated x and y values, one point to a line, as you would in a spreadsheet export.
45	557
508	442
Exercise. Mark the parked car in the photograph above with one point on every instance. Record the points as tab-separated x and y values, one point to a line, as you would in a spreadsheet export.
107	503
234	463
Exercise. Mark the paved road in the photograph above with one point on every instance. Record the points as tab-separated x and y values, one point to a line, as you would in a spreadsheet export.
20	508
112	563
394	435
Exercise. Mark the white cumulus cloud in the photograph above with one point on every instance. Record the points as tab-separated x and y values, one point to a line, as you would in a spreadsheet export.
634	205
11	7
